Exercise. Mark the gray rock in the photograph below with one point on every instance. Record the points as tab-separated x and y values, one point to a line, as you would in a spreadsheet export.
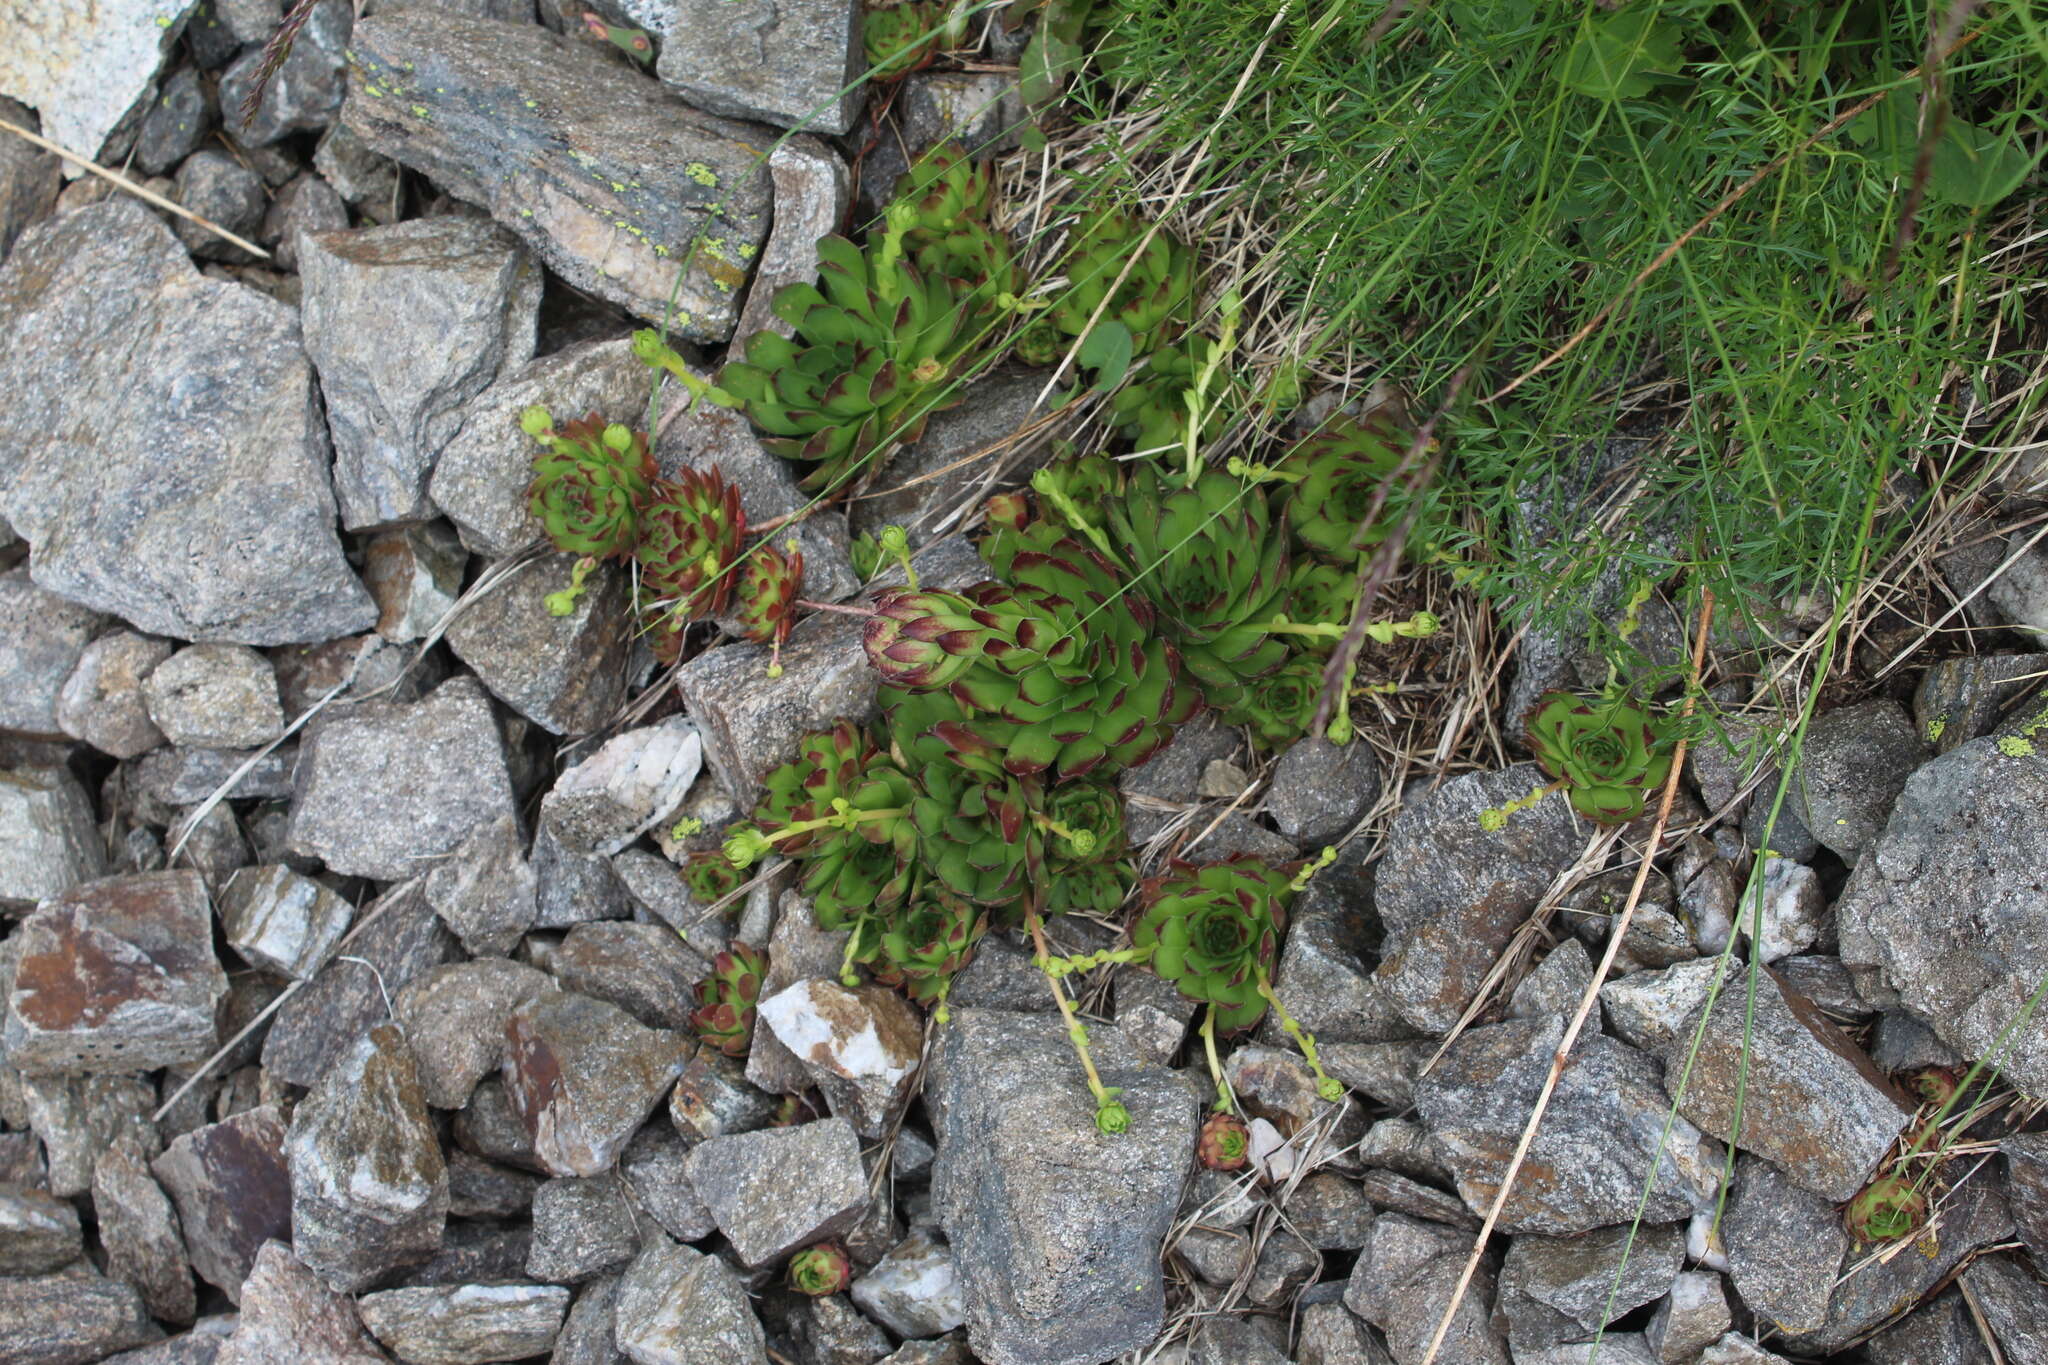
200	1346
139	1229
213	530
485	891
1386	1072
979	111
1825	981
466	1324
180	118
78	1119
115	975
1152	1015
567	674
369	1186
1451	894
1650	1009
478	1189
1556	985
289	1317
831	1331
1397	1193
1557	1289
470	295
581	1229
381	786
713	1098
1330	1212
1402	1283
306	204
633	783
414	572
281	921
2020	593
2025	1160
655	1170
779	1189
1693	1314
1402	1145
29	176
678	1306
472	1253
1941	1332
1331	1334
1969	1216
491	1128
1855	762
49	841
185	777
1812	1102
43	637
1783	1245
539	130
862	1046
1789	903
1902	1043
642	968
232	1191
1966	832
914	1291
582	1076
307	90
358	174
811	188
1602	1128
1319	790
1325	977
481	479
226	193
86	68
1616	1348
38	1232
586	1337
454	1015
102	701
311	1030
215	697
2015	1303
1962	699
69	1318
793	64
927	477
751	723
574	888
1025	1186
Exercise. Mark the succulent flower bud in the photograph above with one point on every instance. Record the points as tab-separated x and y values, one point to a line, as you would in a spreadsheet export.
820	1270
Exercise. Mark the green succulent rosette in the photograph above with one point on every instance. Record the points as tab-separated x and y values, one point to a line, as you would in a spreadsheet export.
1069	498
1337	473
1279	707
690	530
1887	1209
976	834
1224	1143
1071	677
1156	291
1039	342
857	858
922	639
724	1017
820	1270
710	876
1214	932
878	342
1319	593
897	39
1085	823
765	589
927	941
1606	752
589	479
1151	408
1096	889
1214	561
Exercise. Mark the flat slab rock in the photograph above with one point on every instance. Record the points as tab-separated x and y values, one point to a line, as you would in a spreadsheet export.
71	1317
1946	904
288	1315
677	1306
617	185
116	975
1055	1226
161	447
466	1324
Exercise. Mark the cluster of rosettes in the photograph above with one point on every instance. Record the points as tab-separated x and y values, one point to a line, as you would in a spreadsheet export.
918	860
885	336
597	495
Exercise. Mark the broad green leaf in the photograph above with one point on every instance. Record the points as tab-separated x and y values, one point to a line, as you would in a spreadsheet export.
1622	55
1975	167
1107	351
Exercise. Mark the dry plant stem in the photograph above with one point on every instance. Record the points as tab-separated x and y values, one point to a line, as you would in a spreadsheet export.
120	181
390	898
1588	1000
1933	119
1664	257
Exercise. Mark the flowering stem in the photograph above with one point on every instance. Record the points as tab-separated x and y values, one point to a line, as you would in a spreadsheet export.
1226	1102
1326	1085
1110	1116
1047	487
1083	962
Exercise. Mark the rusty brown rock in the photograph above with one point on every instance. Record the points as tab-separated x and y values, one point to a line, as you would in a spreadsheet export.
582	1076
116	975
232	1191
290	1318
139	1229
